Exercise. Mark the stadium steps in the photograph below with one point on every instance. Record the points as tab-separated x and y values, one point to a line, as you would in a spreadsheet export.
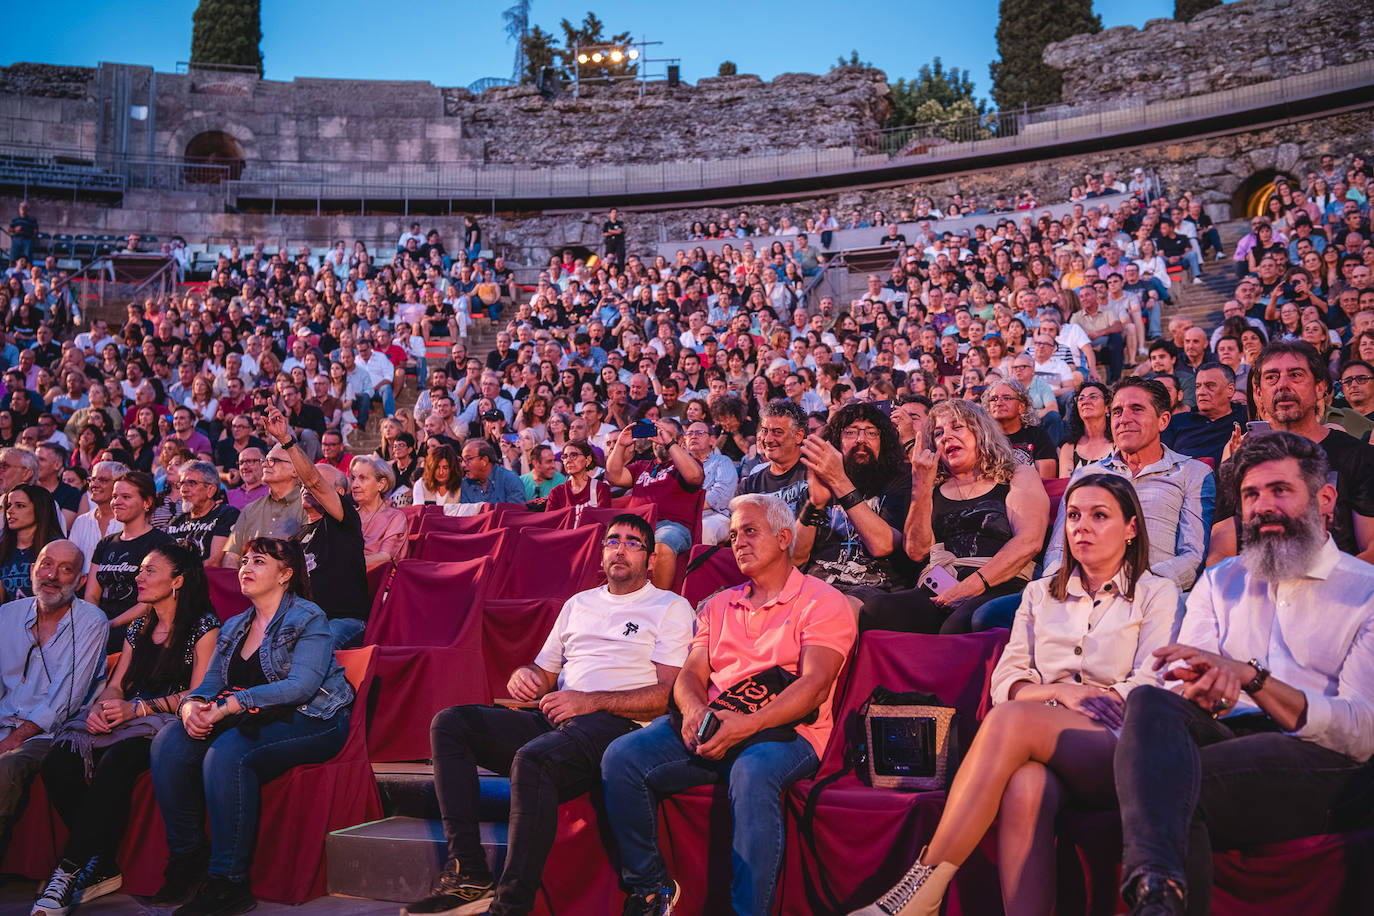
398	857
1202	302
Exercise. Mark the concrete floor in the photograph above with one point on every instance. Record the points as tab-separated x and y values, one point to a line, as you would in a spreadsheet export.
16	898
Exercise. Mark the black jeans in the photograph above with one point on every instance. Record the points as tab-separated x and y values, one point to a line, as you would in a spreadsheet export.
1188	783
547	765
97	812
913	611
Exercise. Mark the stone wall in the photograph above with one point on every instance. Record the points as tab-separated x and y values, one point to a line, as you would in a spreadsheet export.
1217	167
1248	41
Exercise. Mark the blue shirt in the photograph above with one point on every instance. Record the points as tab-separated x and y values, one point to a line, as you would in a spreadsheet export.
48	685
502	486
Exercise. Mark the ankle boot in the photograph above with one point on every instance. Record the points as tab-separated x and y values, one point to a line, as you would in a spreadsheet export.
918	893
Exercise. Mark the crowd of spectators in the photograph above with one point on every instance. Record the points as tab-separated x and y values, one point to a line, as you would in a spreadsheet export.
889	459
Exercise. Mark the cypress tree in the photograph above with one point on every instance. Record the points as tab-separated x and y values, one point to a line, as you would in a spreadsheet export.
1025	27
227	32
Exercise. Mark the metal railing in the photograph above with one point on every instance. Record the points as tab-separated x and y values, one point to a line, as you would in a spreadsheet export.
86	170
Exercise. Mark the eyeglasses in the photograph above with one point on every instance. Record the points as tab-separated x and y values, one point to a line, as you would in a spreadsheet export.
1002	398
615	543
270	460
1357	380
861	432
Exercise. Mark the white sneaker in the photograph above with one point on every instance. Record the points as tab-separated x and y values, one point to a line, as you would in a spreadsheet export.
1197	281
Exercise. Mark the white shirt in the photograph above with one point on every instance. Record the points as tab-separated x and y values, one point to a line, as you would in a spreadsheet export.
1101	639
86	534
602	641
379	367
1315	633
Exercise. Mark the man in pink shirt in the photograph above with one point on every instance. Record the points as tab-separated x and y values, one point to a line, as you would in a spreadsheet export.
784	630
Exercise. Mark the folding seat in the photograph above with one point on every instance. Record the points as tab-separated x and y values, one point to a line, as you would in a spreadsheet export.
716	569
549	563
443	547
429	604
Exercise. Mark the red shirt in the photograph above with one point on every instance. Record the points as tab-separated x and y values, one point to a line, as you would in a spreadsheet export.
662	485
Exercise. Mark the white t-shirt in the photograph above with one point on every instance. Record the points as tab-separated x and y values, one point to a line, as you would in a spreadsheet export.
602	641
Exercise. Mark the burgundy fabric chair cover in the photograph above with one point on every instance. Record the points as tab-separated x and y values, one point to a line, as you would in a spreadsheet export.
377	576
446	547
860	863
579	878
593	515
430	604
457	524
299	809
513	631
413	516
411	684
719	571
513	520
551	563
225	596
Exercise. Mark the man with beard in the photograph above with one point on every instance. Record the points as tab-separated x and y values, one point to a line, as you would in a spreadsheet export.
1294	385
670	480
858	491
1265	734
609	662
781	429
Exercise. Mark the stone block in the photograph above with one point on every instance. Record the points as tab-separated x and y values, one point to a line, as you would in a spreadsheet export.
333	127
1209	165
27	131
1287	158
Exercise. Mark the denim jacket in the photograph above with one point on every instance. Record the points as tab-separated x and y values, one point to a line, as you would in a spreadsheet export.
297	656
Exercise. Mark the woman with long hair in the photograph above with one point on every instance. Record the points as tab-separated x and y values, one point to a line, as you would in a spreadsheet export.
1090	433
370	481
1081	641
274	697
582	488
441	480
115	562
90	442
404	466
557	427
94	763
31	521
534	416
975	513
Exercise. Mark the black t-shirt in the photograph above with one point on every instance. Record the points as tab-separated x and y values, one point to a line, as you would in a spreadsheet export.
14	573
308	417
227	456
199	533
334	559
840	558
1194	435
616	241
791	486
1030	444
67	497
117	562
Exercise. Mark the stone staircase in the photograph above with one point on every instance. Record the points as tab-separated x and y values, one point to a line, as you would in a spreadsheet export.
398	857
1202	302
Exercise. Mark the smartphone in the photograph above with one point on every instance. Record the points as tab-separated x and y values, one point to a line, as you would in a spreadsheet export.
644	429
938	580
512	438
1257	426
708	727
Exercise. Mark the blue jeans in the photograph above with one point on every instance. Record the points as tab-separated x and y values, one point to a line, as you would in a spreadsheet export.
224	775
642	766
388	399
362	406
675	534
347	632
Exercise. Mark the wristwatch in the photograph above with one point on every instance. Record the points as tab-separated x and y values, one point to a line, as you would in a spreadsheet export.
1261	675
289	443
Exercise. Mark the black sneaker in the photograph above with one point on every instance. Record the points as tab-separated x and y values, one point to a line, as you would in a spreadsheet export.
98	878
1153	894
219	896
180	879
659	903
457	893
60	892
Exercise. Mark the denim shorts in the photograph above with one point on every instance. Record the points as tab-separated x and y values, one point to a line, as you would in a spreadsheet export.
674	534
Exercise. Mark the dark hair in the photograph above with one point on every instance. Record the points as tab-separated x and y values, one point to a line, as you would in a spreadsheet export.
45	524
785	407
142	482
149	666
581	446
288	553
1137	558
1262	448
891	456
1220	367
639	524
1316	363
439	453
1076	428
1153	388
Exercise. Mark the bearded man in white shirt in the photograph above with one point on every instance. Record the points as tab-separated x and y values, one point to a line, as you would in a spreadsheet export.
1268	726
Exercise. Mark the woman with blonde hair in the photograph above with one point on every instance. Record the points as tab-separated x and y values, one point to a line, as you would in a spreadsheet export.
976	520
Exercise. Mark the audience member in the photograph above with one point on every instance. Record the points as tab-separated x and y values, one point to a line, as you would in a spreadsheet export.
30	523
370	482
279	513
207	522
670	479
112	582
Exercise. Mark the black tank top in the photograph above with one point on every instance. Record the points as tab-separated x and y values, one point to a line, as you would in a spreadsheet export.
977	527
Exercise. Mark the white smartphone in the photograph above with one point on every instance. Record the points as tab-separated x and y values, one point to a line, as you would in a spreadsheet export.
938	580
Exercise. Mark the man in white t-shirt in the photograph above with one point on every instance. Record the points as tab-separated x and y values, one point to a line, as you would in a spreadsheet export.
608	664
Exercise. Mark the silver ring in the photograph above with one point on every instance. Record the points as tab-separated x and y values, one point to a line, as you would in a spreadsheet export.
1051	702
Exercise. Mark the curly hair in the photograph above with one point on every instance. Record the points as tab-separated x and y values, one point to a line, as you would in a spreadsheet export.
1028	416
891	457
995	459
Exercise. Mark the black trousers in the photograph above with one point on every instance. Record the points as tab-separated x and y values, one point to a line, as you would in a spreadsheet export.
913	610
547	765
1188	783
96	813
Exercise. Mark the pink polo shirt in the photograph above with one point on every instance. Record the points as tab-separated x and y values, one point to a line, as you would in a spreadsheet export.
742	640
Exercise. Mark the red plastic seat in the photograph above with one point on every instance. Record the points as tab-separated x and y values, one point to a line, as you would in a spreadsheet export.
429	604
551	563
457	524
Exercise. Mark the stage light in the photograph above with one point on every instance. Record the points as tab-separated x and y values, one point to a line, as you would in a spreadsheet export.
581	58
596	57
634	54
616	56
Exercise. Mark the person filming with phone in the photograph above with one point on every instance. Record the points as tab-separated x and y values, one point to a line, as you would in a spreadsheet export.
782	634
670	479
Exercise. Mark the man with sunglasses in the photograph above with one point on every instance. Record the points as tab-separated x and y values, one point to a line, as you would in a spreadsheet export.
608	664
52	647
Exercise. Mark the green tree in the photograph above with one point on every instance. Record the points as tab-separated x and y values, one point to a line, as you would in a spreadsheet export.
541	50
1185	10
227	32
852	61
933	85
592	31
1021	76
727	68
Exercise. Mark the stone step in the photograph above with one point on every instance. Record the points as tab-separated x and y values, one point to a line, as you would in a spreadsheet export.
398	858
407	790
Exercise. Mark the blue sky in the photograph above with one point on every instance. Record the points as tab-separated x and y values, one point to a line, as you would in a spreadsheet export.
461	42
